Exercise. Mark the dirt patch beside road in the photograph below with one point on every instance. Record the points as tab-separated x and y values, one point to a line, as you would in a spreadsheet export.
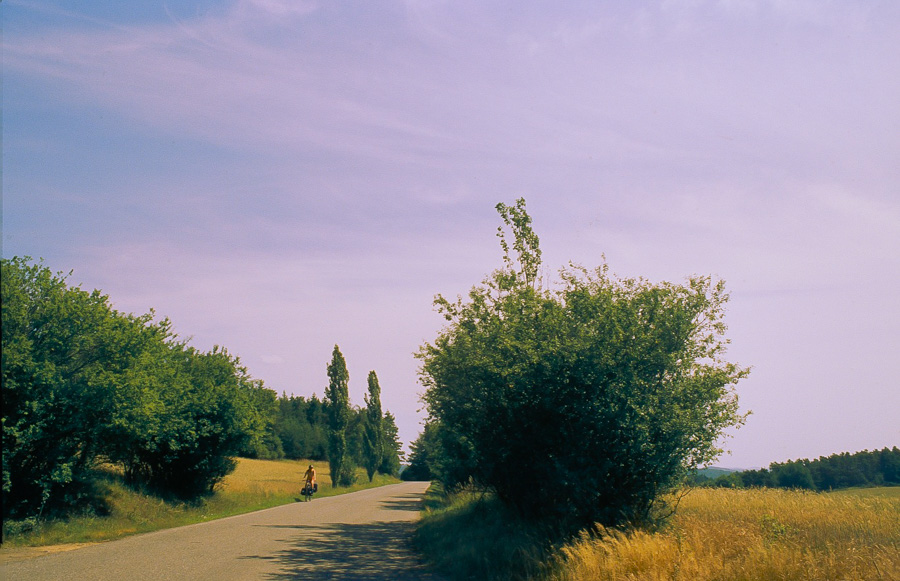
13	554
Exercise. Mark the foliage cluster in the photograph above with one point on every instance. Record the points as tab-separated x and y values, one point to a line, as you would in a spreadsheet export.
84	383
300	431
581	403
338	397
424	453
358	437
373	432
876	468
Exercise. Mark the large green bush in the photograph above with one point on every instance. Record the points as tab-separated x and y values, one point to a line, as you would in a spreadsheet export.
179	436
83	383
583	402
65	355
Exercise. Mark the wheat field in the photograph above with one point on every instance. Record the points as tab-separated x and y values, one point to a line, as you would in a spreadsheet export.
744	535
272	477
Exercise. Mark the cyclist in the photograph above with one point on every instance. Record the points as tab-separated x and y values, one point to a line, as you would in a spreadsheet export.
310	477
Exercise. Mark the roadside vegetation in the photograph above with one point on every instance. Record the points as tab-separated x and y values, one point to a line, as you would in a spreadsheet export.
104	409
716	533
596	394
472	535
254	485
566	418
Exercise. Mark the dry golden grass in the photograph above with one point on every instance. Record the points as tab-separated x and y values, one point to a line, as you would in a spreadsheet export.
285	478
743	535
275	477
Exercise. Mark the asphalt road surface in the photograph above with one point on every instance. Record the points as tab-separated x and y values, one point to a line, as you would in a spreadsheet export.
361	536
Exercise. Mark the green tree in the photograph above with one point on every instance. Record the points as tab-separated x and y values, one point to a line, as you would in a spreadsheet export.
422	454
65	352
83	383
355	435
337	397
524	268
373	437
264	442
393	447
793	475
833	472
761	478
596	397
198	410
301	427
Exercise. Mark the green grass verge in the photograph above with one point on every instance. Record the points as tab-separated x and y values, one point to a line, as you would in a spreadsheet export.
870	492
132	512
472	536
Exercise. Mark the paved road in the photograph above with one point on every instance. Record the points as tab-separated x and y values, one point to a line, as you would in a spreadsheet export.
360	536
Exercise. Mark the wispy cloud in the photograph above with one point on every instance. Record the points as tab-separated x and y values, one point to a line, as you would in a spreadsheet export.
278	176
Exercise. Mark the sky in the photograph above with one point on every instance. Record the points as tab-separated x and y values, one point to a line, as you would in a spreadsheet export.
281	176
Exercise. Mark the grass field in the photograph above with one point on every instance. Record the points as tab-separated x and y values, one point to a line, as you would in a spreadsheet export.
254	485
751	535
717	534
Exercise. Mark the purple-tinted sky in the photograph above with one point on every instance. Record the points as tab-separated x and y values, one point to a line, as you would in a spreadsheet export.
279	176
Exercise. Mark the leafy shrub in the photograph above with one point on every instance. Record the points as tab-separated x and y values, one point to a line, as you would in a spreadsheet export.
582	404
65	353
83	383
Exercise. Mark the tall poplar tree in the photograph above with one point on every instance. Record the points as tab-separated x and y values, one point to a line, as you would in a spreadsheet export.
373	437
338	397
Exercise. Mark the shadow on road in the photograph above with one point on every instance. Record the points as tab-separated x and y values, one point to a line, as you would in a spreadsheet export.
411	503
340	552
378	551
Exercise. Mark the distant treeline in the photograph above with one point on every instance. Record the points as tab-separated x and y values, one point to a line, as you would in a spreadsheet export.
877	468
300	430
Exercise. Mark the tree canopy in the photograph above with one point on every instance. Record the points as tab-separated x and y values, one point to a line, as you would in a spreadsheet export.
83	383
583	401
